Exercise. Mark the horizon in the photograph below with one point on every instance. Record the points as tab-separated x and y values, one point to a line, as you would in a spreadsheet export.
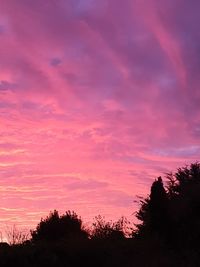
96	101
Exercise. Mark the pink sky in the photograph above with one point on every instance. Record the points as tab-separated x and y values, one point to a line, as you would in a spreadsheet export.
97	99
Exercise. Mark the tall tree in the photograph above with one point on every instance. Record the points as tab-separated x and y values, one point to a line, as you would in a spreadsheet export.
158	206
154	210
173	213
184	186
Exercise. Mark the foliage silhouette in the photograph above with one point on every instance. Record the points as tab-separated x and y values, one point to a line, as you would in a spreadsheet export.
184	198
154	210
109	230
168	235
173	213
55	227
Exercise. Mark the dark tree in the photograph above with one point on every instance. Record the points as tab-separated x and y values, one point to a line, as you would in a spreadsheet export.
55	228
108	230
153	212
184	188
158	206
173	215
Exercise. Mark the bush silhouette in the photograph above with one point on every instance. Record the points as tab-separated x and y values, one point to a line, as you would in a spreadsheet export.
108	230
55	227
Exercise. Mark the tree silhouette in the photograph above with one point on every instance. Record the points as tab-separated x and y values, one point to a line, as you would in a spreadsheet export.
173	214
168	235
154	210
55	227
109	230
184	188
158	206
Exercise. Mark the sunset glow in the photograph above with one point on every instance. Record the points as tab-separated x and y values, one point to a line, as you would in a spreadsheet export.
97	99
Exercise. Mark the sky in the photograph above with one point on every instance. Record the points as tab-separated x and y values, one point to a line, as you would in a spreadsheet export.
97	99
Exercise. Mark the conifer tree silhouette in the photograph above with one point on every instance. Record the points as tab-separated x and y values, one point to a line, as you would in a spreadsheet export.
153	212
